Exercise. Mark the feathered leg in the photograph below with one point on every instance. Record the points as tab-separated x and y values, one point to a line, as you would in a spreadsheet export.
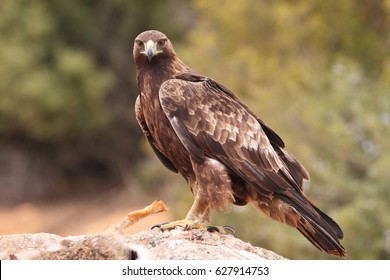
212	190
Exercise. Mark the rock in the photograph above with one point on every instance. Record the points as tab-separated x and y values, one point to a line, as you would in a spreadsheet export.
26	246
175	244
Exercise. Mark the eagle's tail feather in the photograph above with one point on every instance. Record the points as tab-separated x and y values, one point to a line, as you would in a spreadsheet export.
321	240
321	230
330	221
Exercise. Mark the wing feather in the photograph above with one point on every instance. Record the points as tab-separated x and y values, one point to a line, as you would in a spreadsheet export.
141	121
222	128
298	172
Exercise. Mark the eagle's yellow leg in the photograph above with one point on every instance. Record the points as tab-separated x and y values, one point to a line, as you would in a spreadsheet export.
207	196
188	224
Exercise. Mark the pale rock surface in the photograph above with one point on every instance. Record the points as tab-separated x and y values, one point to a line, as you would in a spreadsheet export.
154	244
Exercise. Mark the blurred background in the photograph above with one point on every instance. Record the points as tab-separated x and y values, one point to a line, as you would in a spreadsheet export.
73	159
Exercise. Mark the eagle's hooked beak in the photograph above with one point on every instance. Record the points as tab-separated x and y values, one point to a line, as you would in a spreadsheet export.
150	50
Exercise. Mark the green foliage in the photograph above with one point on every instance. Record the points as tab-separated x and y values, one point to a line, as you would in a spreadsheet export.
65	65
47	93
67	92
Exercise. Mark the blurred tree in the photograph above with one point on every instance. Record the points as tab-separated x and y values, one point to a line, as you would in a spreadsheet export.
42	100
68	89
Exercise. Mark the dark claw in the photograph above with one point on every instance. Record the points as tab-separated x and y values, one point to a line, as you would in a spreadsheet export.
229	230
212	229
159	225
222	229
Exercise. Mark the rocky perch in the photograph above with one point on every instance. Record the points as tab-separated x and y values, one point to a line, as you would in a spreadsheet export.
175	244
113	244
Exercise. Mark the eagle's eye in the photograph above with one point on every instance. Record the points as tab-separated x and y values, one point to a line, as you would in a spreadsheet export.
139	43
161	43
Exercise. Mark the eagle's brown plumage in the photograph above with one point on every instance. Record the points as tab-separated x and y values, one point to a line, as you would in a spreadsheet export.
200	129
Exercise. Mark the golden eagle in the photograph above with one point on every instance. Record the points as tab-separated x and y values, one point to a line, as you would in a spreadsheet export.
200	129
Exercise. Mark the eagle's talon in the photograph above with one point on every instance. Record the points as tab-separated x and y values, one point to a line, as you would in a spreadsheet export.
229	230
185	224
159	226
188	225
212	229
222	229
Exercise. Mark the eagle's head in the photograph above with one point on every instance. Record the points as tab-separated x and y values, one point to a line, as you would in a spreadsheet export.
151	46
